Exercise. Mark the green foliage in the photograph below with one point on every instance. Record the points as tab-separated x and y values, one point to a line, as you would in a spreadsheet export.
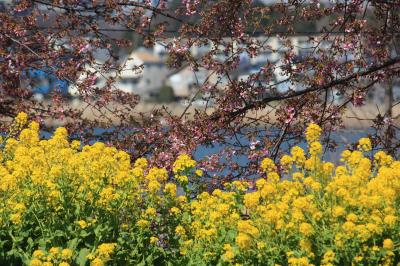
166	95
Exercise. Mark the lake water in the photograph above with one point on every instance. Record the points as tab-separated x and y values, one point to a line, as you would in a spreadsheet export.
341	137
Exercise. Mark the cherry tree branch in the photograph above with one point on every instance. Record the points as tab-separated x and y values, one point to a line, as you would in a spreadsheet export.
331	84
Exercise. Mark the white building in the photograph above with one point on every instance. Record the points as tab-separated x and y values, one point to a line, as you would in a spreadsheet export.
185	81
94	72
143	73
88	73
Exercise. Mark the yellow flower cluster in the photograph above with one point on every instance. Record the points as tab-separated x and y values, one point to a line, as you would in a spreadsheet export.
183	162
364	144
102	254
54	256
313	133
182	167
315	218
268	165
108	211
298	156
21	120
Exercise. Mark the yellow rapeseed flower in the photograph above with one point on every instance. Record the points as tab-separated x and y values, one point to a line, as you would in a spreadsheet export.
315	148
338	211
182	163
38	254
151	212
153	240
15	218
298	156
97	262
170	189
313	133
248	228
390	220
229	255
180	230
306	229
243	241
141	163
286	162
106	249
35	262
268	165
54	251
364	144
175	211
199	172
388	244
251	200
183	179
143	223
21	120
154	186
66	254
82	224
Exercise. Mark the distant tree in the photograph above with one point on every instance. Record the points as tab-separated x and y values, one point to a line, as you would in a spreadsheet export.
356	49
166	94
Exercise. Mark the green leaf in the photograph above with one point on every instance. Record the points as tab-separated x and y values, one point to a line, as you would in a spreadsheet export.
82	256
149	259
78	210
30	241
59	233
84	234
231	234
142	263
73	243
42	243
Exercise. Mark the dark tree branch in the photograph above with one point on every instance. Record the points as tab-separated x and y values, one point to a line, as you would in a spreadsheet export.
342	81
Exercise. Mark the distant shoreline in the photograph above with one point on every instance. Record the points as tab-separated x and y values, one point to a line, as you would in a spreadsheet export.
353	118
